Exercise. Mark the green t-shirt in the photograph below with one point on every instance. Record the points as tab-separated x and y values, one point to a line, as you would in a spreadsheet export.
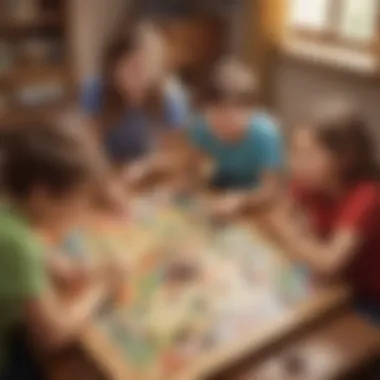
22	270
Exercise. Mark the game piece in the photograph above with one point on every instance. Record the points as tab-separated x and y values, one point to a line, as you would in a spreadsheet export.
139	352
125	295
105	307
178	271
74	245
183	200
208	341
147	285
294	284
217	223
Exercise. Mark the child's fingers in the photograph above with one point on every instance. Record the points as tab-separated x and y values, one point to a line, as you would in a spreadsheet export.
222	208
274	221
135	173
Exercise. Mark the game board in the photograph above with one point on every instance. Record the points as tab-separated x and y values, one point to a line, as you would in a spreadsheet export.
199	286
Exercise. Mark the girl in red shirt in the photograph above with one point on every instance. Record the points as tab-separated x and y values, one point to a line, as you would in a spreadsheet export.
335	183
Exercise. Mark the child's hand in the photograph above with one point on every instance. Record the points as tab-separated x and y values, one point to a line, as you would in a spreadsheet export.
277	223
135	173
83	272
163	163
225	207
69	273
113	197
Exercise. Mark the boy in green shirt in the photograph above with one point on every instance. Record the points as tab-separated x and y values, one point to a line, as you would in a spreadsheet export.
47	173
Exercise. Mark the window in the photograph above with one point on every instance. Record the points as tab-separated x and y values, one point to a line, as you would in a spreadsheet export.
358	19
309	14
341	22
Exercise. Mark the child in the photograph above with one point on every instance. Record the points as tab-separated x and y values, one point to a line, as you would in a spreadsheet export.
336	176
117	103
127	103
244	144
47	174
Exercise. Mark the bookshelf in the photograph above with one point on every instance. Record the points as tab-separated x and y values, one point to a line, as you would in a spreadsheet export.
35	74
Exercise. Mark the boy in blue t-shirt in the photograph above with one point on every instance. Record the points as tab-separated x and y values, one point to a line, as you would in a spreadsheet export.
245	145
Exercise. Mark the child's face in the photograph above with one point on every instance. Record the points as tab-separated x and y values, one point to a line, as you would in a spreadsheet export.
130	74
228	121
60	214
155	57
311	165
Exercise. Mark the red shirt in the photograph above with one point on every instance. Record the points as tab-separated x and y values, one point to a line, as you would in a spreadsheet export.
358	210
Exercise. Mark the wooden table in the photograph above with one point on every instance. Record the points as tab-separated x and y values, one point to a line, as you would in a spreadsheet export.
329	352
323	301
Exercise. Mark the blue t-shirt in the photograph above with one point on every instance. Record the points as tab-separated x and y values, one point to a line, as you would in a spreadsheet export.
131	138
240	164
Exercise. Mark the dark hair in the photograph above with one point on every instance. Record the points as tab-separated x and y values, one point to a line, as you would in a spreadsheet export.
114	103
231	82
41	154
344	132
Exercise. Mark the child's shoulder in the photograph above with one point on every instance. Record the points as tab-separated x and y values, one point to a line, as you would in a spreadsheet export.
366	190
22	264
263	123
15	232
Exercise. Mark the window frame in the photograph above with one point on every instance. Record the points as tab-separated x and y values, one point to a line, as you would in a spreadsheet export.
333	38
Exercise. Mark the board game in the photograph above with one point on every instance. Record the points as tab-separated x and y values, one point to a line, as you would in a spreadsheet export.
195	288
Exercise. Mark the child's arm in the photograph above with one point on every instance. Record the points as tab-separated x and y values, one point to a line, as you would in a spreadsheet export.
54	323
191	167
175	158
68	273
26	280
235	202
264	195
111	194
269	144
328	257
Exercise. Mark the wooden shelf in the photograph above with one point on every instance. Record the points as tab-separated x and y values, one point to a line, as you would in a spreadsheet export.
31	74
20	85
47	19
19	114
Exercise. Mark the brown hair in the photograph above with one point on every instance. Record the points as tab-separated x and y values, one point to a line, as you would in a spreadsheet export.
52	156
231	82
113	103
344	132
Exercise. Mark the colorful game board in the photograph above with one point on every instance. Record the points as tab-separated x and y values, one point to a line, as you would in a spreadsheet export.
201	287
